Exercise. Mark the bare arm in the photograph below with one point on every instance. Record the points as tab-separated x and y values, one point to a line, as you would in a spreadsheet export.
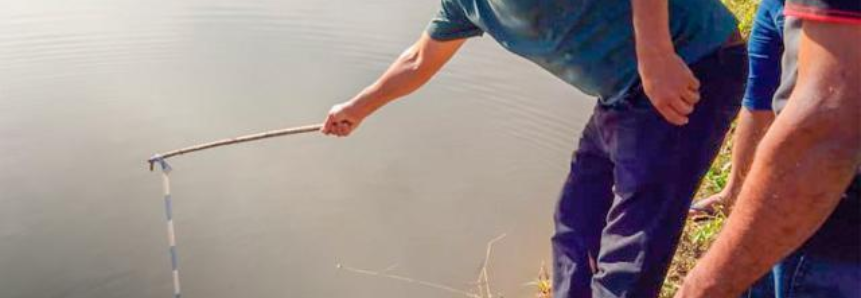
667	80
752	125
415	67
765	46
802	166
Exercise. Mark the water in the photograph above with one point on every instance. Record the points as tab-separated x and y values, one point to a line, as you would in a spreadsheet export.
89	89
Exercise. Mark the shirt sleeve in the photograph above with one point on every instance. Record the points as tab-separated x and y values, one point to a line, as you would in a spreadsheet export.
835	11
765	48
451	22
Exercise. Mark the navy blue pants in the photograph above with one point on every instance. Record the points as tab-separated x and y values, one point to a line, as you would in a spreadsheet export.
632	179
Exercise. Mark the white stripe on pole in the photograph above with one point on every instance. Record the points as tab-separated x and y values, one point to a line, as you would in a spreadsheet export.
171	232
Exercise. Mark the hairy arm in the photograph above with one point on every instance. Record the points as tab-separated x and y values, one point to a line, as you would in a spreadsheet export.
802	167
415	67
667	80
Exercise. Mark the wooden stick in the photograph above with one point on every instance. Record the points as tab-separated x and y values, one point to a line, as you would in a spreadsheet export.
236	140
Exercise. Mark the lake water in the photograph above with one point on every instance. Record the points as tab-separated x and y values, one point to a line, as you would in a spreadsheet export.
89	89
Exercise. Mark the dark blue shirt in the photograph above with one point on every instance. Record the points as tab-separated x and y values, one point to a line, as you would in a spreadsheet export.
765	47
587	43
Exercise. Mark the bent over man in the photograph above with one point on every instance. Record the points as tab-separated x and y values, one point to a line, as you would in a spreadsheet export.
669	76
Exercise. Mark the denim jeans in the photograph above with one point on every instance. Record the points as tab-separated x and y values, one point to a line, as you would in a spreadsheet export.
632	178
809	276
827	265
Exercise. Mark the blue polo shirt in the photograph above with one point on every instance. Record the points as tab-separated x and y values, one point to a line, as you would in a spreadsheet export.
586	43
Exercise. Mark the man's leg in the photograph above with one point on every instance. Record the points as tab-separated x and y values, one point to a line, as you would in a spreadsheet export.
580	215
658	167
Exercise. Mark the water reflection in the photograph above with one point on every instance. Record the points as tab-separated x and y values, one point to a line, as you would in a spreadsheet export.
89	89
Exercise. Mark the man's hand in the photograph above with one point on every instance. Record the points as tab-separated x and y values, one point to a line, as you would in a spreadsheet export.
670	85
343	119
711	205
409	72
706	289
667	80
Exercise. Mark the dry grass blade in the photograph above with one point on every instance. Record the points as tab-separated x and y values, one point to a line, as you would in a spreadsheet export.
482	285
409	280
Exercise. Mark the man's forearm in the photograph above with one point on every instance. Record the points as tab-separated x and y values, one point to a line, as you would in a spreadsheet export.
751	127
802	167
401	78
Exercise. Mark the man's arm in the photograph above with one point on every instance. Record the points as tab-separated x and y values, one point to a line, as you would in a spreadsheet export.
802	167
667	80
765	48
415	67
751	127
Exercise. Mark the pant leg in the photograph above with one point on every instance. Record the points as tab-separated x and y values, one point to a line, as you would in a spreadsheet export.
803	275
658	168
580	215
763	288
825	266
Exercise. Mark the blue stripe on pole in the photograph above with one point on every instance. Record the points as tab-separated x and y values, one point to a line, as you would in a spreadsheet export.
168	210
168	207
174	260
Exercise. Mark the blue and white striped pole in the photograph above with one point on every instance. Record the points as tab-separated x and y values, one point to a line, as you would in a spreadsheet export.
171	232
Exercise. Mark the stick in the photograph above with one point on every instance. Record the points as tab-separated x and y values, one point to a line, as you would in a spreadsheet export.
236	140
171	231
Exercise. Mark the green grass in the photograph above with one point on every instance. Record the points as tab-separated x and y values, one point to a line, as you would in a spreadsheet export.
744	11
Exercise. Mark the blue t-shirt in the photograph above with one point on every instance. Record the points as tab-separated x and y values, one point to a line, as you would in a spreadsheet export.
587	43
765	47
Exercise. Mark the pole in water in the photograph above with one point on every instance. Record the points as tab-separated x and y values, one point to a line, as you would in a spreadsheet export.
161	160
171	231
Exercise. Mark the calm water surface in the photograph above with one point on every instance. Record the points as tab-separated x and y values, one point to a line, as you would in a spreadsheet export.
90	88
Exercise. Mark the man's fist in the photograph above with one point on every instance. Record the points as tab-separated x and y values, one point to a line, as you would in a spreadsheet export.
343	119
670	85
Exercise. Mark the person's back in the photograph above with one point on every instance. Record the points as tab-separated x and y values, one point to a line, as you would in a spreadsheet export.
587	43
